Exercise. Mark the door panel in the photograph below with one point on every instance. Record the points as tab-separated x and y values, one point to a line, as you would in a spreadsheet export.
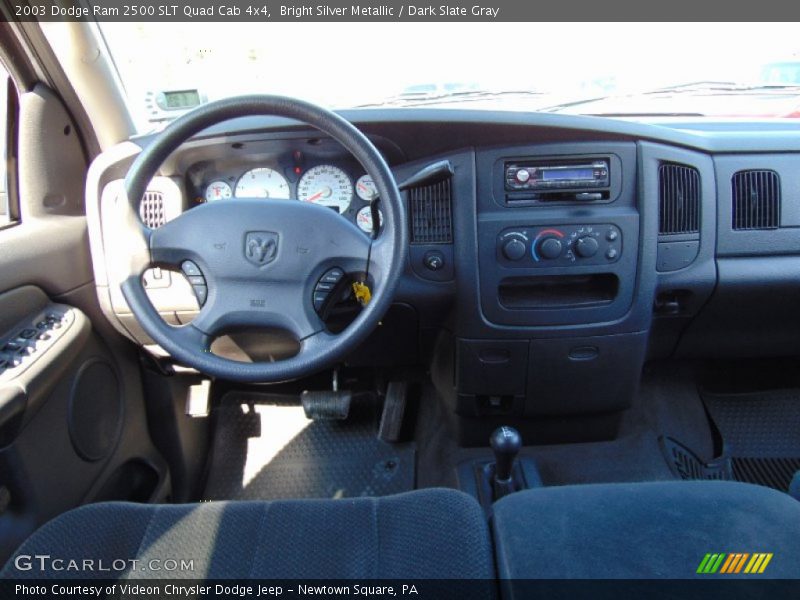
73	427
62	416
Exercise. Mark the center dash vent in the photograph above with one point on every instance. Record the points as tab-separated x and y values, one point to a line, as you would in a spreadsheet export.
678	200
430	210
152	210
756	200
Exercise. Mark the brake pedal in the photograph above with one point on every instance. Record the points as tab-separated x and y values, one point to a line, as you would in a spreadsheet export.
394	409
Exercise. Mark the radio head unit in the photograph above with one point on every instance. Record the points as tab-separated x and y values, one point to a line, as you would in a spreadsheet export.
530	175
578	179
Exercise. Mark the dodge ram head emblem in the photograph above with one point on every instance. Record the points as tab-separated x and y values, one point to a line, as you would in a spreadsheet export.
261	247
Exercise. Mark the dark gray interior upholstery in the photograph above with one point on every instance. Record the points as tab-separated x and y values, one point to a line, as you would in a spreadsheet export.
638	530
642	530
434	533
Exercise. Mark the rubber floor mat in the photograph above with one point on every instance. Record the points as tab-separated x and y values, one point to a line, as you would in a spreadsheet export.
265	448
760	433
685	464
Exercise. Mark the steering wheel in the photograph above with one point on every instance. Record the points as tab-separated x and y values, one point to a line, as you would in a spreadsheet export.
261	260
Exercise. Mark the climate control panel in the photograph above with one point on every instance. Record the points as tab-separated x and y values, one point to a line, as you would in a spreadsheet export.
559	245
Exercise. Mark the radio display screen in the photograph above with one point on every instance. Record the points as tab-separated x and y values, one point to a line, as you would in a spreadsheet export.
573	174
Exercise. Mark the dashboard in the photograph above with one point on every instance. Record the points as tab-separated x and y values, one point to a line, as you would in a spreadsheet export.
558	254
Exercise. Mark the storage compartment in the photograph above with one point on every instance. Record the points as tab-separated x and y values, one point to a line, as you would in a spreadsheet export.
548	377
491	368
558	291
584	375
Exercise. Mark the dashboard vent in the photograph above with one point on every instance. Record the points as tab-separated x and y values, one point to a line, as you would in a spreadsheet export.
152	211
430	209
678	200
756	200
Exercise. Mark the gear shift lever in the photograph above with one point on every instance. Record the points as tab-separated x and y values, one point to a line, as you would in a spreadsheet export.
506	443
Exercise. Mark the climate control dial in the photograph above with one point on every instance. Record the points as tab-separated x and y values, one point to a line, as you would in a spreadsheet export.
586	246
548	244
514	249
556	246
550	247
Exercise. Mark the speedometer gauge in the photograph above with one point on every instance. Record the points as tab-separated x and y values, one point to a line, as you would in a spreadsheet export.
218	190
263	183
326	185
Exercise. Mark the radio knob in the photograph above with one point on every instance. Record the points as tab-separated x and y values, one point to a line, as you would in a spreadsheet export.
550	248
586	247
514	249
523	176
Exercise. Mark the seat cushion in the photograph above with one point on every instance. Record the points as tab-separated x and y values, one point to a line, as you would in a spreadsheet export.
424	534
643	530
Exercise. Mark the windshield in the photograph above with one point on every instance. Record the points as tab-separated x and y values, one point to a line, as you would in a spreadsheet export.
606	69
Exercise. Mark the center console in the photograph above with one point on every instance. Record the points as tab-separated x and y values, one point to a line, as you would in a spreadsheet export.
559	323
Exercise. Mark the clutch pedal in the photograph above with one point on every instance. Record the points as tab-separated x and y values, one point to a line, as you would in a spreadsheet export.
328	405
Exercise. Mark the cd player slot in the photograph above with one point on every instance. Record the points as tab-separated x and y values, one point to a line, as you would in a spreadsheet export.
524	198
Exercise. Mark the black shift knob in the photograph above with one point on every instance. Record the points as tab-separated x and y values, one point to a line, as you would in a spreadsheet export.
506	443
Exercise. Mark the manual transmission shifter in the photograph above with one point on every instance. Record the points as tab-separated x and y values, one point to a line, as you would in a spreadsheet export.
506	443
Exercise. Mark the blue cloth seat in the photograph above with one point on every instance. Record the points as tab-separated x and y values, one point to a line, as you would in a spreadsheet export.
426	534
643	530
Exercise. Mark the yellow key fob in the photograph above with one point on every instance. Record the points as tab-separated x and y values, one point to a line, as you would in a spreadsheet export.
362	293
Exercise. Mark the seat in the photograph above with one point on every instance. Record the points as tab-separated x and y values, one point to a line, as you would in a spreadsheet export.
427	534
644	530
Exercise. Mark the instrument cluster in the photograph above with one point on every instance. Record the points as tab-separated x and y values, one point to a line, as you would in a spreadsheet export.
325	183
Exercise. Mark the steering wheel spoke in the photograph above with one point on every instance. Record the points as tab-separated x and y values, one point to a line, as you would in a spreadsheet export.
191	337
170	246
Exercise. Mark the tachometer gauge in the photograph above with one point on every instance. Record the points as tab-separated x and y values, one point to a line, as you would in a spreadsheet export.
326	185
365	188
263	183
218	190
364	219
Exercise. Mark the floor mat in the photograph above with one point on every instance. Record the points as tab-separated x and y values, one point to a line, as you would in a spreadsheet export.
265	448
758	425
761	439
687	465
